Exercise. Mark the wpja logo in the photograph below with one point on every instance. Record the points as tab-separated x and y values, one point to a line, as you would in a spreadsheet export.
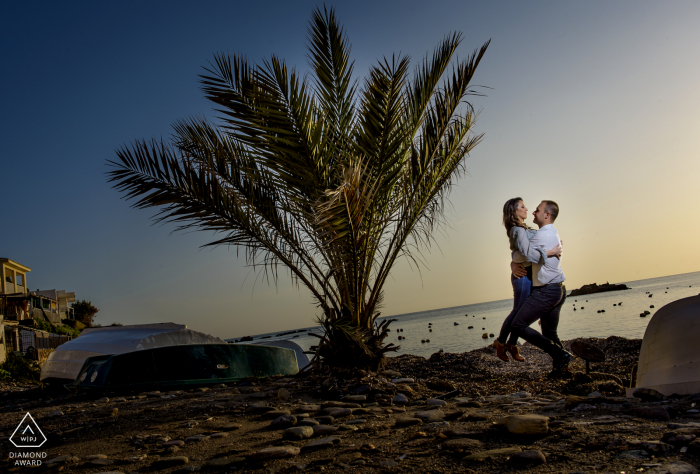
28	434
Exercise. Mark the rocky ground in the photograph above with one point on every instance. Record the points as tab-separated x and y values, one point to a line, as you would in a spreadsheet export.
507	418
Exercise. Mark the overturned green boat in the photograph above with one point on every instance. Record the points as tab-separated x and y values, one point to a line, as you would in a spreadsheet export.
184	366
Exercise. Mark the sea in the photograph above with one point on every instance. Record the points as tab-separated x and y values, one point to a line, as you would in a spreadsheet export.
580	316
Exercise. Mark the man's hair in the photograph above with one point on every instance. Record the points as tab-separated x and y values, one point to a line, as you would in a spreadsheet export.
553	209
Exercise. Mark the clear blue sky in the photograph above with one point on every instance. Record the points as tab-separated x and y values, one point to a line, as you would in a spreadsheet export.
593	104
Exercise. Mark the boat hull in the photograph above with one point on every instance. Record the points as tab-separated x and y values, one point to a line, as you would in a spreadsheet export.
184	366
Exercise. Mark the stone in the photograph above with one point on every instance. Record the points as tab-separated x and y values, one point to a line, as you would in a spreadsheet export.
103	400
284	421
652	446
137	458
307	408
479	416
460	433
681	439
400	399
326	442
347	428
196	438
400	422
430	415
62	460
677	467
283	394
56	413
218	435
390	373
90	457
298	432
101	462
405	380
308	422
232	427
462	443
527	424
356	398
531	457
338	412
453	414
173	461
648	395
277	452
654	413
272	414
224	462
493	453
357	421
389	462
325	420
435	402
175	442
323	430
633	455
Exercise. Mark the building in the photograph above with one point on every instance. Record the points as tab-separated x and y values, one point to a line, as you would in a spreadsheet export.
60	298
14	277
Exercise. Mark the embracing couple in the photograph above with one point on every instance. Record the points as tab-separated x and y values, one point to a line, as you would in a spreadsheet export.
538	284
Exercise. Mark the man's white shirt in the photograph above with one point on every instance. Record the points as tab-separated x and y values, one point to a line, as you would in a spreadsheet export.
547	237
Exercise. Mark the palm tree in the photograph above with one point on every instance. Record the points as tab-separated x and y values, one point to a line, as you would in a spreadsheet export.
332	179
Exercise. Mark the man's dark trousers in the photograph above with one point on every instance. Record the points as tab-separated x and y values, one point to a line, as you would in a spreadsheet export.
544	303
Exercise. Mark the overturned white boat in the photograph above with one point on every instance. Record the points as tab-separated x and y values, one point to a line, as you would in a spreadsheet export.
669	361
67	360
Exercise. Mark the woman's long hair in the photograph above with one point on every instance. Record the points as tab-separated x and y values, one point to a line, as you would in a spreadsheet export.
510	220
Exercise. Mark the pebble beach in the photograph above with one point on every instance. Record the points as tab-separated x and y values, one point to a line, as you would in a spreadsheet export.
507	417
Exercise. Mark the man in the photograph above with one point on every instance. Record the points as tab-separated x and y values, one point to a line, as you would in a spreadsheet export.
548	292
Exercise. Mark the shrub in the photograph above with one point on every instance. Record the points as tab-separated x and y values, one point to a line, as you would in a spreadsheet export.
19	369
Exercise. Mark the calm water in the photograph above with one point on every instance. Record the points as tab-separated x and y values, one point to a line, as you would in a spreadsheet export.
587	322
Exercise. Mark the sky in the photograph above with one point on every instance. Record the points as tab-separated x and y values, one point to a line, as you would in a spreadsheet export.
591	104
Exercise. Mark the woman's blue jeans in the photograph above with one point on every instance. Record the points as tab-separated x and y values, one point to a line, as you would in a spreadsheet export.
521	290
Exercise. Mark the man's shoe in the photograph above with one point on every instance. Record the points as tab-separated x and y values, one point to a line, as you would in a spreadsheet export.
515	352
501	350
561	363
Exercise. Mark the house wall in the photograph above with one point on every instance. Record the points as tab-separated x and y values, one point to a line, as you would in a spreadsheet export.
6	287
3	349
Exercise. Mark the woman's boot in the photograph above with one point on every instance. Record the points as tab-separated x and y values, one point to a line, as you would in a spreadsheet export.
514	352
501	350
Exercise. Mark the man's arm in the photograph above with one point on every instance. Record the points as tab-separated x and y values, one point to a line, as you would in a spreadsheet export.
533	249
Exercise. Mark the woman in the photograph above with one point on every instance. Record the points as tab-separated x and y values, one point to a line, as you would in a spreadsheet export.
519	234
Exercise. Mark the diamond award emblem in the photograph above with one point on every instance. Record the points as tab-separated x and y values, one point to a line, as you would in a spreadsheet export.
28	434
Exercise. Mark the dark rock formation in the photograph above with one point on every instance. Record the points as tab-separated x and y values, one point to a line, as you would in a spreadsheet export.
595	288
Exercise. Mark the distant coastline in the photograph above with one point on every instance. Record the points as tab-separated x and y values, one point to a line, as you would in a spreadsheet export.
595	288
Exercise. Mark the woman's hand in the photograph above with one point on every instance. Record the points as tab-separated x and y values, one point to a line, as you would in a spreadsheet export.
555	251
517	270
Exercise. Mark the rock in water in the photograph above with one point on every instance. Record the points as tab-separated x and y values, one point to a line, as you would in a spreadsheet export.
527	424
